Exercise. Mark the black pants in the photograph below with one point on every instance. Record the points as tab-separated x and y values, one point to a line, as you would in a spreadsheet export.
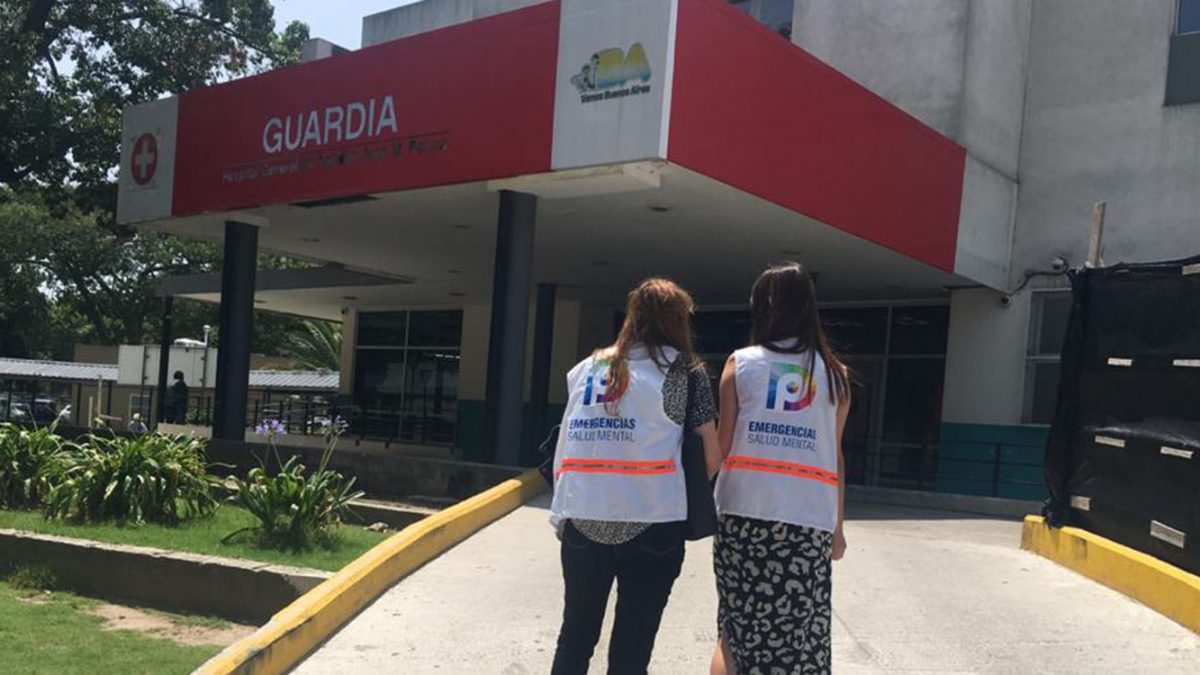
645	569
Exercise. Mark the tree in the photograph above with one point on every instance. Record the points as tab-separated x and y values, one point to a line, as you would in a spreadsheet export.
67	70
316	346
70	68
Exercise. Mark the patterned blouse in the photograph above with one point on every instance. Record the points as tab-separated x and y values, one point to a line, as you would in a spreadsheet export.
680	377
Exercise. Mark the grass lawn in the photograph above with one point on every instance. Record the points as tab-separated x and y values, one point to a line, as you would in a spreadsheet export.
203	535
56	634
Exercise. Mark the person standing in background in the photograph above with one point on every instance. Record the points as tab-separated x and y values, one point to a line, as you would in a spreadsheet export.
179	400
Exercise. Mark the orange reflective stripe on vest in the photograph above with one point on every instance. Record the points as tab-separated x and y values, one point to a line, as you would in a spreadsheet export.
648	467
793	469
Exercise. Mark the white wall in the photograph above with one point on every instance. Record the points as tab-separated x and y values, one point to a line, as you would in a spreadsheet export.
985	357
959	67
427	15
138	365
1096	128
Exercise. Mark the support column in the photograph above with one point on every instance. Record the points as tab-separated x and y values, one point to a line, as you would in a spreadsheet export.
236	331
539	388
511	281
164	358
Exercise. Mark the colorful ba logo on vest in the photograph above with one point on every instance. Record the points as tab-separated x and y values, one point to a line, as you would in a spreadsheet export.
598	388
613	67
790	388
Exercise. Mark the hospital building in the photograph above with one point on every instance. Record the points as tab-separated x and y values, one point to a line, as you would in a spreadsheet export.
479	185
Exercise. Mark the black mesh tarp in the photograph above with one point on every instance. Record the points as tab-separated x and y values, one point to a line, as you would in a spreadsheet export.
1123	457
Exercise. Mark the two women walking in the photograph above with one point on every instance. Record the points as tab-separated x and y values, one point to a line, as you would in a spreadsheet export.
620	499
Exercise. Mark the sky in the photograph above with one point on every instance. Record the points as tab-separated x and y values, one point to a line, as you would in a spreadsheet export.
339	21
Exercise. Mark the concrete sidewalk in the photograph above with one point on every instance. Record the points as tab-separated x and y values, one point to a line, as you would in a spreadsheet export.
919	591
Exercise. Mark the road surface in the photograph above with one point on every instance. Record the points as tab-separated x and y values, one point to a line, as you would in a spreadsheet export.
918	591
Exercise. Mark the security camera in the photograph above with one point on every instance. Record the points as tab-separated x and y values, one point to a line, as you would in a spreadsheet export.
1058	264
1005	300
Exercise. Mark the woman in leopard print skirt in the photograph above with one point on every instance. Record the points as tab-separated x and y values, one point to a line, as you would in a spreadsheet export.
784	402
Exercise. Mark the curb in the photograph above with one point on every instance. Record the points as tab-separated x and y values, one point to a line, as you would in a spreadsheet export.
231	588
301	626
1162	587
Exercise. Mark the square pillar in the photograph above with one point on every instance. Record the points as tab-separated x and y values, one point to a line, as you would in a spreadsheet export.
236	331
164	359
511	291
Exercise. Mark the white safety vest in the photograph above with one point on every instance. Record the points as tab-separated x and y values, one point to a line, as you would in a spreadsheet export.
783	463
621	467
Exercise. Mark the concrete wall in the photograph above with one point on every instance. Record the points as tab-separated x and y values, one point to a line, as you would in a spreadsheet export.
346	363
994	76
1096	128
959	66
241	590
985	357
427	15
910	52
472	369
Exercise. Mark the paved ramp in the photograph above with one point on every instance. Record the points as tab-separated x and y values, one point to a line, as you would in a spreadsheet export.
919	591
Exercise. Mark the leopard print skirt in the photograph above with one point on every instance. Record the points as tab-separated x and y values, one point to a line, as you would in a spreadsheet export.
773	585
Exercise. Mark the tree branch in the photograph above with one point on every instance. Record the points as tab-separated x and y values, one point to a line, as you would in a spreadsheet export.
222	27
37	16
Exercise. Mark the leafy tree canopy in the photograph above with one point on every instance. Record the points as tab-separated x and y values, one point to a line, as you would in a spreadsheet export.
68	272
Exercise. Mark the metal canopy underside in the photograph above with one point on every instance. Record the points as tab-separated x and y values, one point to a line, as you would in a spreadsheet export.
710	237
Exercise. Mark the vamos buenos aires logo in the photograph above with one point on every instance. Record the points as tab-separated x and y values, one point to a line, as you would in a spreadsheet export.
613	73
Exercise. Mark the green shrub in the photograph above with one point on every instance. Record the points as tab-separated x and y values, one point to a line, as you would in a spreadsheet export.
295	510
33	578
152	478
31	460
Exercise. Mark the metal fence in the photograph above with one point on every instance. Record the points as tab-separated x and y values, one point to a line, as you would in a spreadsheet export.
996	469
308	416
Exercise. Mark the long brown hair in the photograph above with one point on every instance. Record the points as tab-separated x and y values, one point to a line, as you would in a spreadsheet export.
783	305
658	314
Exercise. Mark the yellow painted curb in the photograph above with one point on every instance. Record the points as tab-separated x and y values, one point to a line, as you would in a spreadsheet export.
1165	588
298	628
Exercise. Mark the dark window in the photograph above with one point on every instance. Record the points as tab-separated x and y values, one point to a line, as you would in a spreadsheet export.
1047	329
719	334
912	411
1053	311
856	331
1183	56
435	329
919	330
382	329
431	395
774	14
1188	19
1042	380
379	378
406	375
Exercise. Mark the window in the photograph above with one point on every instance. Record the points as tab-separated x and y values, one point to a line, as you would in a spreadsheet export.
774	14
1047	329
406	375
1183	56
856	331
920	330
1187	20
720	333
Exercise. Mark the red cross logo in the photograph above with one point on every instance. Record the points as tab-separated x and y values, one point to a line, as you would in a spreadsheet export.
144	159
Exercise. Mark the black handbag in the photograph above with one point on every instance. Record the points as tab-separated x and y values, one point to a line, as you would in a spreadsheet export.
546	449
701	507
